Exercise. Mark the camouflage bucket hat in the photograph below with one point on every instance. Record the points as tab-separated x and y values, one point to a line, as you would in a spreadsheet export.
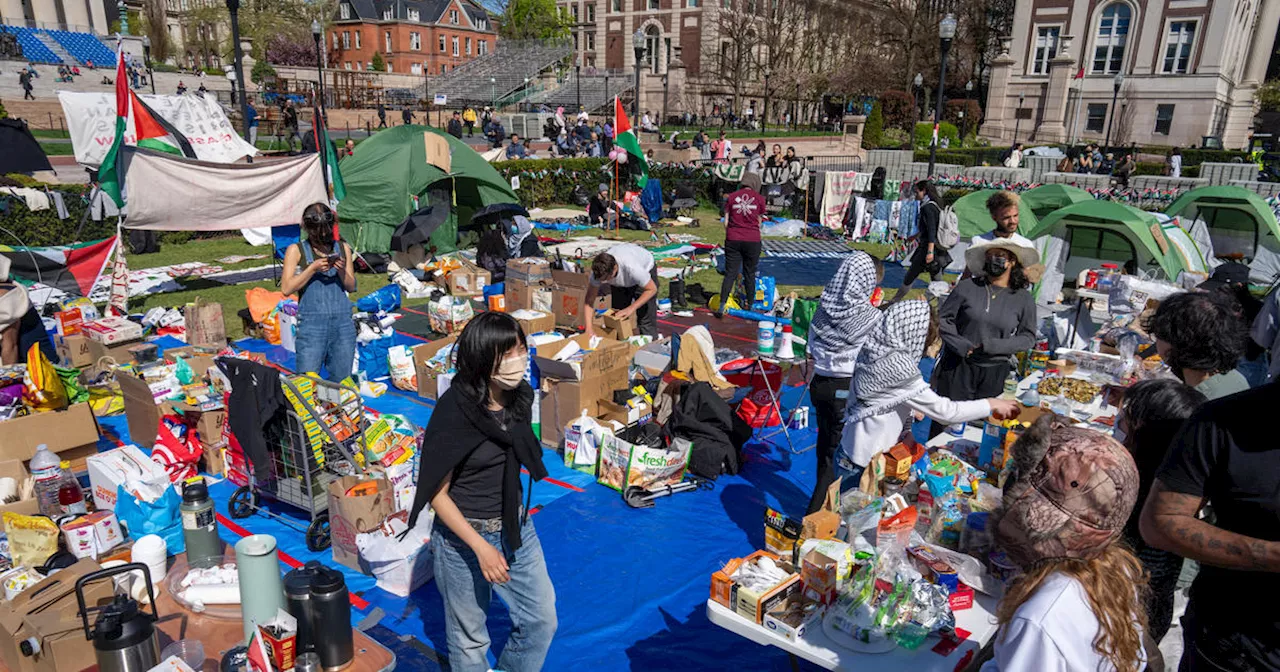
1069	495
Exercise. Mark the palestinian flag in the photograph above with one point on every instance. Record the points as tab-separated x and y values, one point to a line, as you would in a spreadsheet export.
150	131
259	656
625	137
70	268
336	189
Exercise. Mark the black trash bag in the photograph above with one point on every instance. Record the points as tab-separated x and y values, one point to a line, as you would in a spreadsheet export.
717	433
581	196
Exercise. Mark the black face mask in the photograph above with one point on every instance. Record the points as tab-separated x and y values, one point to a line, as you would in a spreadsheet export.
994	267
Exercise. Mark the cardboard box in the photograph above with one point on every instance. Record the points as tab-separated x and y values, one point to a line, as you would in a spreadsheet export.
470	280
609	355
534	322
819	574
62	431
48	611
119	466
519	295
619	329
568	298
215	460
356	514
204	323
626	415
112	330
820	525
74	350
70	321
781	532
529	271
753	605
793	617
199	358
28	507
563	400
428	378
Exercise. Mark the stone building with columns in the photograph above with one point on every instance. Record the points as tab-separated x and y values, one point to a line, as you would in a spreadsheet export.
1178	70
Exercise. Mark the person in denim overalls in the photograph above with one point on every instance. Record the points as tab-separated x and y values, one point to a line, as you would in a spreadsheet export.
326	334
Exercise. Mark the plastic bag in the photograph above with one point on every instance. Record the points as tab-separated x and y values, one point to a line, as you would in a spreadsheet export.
371	357
399	558
76	391
44	390
385	298
261	302
161	517
32	539
400	363
271	328
801	315
183	371
177	449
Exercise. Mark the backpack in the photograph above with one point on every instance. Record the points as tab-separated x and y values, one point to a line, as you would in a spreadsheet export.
948	228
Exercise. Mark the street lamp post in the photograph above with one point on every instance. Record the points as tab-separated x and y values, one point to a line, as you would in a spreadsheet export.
316	34
947	32
124	17
637	45
919	89
1115	93
764	112
233	7
577	76
493	93
1017	117
146	53
964	130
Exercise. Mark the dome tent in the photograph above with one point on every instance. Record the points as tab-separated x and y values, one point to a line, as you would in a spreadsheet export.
389	170
1240	223
971	210
1088	234
1046	198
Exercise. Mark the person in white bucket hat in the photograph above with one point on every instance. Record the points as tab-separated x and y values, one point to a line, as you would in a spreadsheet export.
988	317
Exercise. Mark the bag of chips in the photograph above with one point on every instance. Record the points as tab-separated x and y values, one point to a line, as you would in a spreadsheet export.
44	390
32	539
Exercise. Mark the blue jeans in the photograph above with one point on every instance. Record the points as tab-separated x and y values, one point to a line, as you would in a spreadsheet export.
328	341
529	596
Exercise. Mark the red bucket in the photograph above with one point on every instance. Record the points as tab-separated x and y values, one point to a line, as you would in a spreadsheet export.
752	373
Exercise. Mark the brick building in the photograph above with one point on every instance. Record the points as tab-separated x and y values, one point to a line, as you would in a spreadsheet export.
410	35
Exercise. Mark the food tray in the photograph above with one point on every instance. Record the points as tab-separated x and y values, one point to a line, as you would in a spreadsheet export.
173	584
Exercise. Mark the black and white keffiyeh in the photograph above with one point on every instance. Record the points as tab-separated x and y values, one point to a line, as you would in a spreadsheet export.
845	315
888	370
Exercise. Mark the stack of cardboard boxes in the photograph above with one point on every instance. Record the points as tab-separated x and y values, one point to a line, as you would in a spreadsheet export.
581	382
145	402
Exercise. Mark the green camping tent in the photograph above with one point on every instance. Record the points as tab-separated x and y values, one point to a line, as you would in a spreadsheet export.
1088	234
1046	198
390	169
971	210
1240	224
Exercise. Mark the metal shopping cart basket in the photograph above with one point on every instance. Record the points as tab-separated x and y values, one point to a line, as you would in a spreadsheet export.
319	438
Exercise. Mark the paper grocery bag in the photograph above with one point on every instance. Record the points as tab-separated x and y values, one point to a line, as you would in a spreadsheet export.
204	323
350	515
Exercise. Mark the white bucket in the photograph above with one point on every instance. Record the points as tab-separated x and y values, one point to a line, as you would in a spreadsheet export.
764	337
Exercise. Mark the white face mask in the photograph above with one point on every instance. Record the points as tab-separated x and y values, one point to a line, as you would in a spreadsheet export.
510	372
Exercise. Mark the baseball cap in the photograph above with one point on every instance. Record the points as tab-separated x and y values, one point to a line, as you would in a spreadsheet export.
1069	495
1228	273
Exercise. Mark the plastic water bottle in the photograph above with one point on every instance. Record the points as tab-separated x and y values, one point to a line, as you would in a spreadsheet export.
1011	386
46	469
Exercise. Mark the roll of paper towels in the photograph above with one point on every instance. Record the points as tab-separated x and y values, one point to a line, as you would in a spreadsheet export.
226	593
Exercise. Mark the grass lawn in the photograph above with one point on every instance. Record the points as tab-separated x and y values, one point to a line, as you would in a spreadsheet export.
50	133
57	148
232	298
713	129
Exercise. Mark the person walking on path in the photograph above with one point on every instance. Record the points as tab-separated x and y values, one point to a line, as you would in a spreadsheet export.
929	257
406	115
382	115
469	119
251	120
291	124
478	441
743	211
454	127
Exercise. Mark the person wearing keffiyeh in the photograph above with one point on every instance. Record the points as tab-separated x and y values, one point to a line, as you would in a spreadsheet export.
840	326
887	388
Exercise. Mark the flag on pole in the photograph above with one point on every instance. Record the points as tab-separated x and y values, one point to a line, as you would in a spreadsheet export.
109	177
259	657
73	269
336	189
153	132
625	137
119	301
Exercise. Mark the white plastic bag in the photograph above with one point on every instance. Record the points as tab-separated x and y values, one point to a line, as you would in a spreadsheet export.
403	373
399	565
1129	294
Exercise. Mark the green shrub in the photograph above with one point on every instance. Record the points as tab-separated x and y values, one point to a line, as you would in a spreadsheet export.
1268	96
1149	168
176	237
894	138
550	181
4	114
950	196
964	156
924	134
873	132
898	108
1195	157
44	228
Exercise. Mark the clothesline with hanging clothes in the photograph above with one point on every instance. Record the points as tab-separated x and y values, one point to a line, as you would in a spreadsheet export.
38	199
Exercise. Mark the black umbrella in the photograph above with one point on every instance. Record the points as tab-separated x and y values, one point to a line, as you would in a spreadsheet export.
22	154
496	212
416	229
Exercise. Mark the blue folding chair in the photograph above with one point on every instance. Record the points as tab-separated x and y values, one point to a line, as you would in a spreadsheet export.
281	238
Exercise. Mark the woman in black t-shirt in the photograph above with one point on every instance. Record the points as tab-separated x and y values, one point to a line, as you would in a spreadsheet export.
478	440
929	257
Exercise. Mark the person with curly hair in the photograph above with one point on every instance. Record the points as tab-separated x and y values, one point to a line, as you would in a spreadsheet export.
1078	604
1201	337
1003	208
988	317
1149	417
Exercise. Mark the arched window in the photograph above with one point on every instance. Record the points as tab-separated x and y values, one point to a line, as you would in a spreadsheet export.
652	41
1113	33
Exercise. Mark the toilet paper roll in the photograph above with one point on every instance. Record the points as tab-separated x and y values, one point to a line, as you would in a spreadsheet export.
226	593
8	488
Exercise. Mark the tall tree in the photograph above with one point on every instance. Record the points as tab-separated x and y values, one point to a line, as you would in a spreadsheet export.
533	20
154	20
738	30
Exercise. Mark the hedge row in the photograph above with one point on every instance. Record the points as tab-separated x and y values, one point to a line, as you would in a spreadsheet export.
43	227
546	182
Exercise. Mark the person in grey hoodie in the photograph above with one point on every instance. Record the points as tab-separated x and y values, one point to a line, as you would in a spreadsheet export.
988	317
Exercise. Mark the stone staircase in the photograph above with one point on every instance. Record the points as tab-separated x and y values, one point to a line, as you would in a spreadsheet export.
57	49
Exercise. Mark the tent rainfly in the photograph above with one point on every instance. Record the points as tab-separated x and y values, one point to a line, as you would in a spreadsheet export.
1046	198
1241	226
971	210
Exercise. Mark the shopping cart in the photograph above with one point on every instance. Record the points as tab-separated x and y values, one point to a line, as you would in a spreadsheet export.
319	438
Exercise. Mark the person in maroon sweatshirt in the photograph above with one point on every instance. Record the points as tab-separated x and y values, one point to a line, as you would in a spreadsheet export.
743	209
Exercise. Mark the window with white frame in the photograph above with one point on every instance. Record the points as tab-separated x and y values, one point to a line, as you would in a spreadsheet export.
344	11
616	5
359	65
591	41
415	69
573	13
357	39
1046	49
1113	34
415	41
1164	119
389	67
1097	117
347	65
346	40
453	16
387	14
482	47
591	13
482	24
655	4
442	46
466	45
1177	47
335	40
413	15
387	41
455	46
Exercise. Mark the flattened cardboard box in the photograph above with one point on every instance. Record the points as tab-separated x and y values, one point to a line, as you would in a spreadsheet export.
62	431
428	379
608	355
